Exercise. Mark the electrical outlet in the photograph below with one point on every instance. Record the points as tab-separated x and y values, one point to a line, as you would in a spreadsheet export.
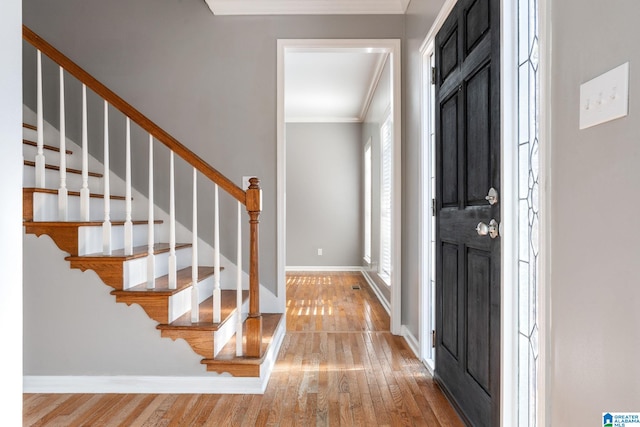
319	251
605	97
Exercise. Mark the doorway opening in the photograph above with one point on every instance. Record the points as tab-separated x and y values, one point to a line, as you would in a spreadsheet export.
389	50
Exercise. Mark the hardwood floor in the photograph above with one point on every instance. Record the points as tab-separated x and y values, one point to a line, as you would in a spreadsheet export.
338	365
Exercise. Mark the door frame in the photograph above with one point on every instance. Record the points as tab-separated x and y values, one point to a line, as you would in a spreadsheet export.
393	48
509	213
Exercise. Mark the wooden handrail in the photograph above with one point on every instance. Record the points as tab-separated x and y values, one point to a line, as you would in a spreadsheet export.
135	115
251	198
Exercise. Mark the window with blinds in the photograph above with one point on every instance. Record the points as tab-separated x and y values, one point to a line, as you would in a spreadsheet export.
386	156
367	201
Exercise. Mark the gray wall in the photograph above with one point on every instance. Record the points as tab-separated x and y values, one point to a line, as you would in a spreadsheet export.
209	81
324	178
11	212
594	282
420	16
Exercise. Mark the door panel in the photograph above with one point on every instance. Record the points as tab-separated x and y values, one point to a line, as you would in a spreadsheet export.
467	166
478	141
450	299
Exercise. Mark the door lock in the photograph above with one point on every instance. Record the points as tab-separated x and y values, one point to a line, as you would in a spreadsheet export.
492	229
492	197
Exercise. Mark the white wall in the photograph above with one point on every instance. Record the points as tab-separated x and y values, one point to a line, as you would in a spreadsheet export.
11	212
324	206
595	189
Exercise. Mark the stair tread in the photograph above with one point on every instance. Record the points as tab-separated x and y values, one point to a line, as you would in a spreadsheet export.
118	254
227	354
57	168
162	283
28	126
83	223
227	307
70	193
45	146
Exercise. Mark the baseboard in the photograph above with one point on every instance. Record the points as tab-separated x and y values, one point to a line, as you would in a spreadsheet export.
223	384
323	268
374	287
215	384
411	340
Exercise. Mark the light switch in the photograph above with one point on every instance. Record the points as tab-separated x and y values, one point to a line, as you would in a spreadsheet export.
605	97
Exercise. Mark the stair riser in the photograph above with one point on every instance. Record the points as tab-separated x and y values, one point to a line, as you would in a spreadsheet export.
135	270
52	180
45	208
180	303
90	238
228	329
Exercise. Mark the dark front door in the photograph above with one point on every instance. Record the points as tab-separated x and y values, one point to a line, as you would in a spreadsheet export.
467	167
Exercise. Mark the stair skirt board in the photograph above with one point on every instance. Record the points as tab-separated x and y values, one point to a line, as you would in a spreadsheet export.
212	384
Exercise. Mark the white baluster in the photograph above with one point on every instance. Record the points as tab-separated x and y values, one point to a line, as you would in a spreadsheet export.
216	259
173	282
62	191
85	213
239	285
128	225
195	309
151	260
106	225
40	176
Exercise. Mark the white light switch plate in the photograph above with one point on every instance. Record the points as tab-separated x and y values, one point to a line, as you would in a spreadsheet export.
605	97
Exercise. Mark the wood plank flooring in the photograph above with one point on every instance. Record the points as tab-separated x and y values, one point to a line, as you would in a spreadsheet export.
338	366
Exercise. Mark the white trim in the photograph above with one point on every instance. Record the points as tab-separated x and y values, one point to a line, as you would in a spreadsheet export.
324	119
377	74
307	7
509	214
323	268
444	13
374	287
411	340
425	195
393	48
218	384
545	367
427	48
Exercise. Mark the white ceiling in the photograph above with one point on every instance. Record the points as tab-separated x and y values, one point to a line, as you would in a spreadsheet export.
307	7
331	87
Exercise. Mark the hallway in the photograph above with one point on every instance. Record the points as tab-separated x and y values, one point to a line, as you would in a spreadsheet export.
338	365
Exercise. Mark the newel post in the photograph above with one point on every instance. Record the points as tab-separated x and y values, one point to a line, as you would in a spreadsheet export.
254	319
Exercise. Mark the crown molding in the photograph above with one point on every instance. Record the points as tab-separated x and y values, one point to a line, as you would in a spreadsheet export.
308	7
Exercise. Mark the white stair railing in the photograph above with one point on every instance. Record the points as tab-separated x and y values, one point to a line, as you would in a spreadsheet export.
172	226
151	261
239	285
85	214
106	225
216	258
195	297
63	194
128	225
40	161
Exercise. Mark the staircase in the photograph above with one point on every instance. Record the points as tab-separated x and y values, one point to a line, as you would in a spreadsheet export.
67	196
